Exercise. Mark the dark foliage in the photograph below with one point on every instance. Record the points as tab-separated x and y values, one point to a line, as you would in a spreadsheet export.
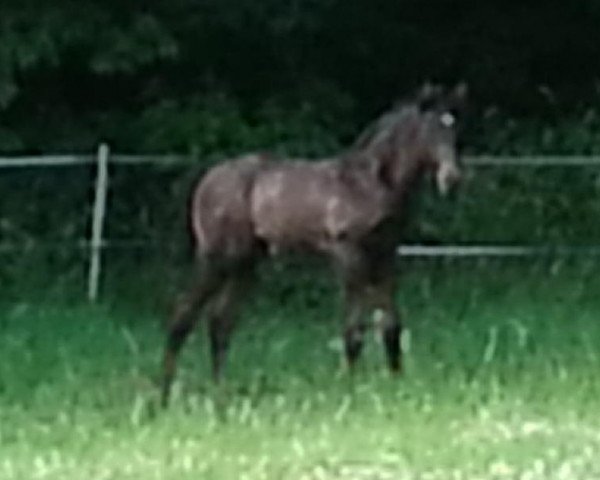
145	75
218	77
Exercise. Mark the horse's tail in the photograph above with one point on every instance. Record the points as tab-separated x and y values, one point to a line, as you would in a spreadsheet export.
191	241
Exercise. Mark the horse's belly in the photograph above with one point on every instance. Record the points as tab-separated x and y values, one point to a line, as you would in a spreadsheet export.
285	232
302	225
285	223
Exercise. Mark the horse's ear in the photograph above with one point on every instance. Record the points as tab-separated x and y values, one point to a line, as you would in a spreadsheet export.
461	90
426	91
428	96
457	98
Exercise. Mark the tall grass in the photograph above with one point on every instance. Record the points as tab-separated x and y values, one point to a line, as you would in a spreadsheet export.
501	382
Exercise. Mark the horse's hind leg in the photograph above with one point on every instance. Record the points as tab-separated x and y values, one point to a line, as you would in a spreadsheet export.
184	319
391	331
221	314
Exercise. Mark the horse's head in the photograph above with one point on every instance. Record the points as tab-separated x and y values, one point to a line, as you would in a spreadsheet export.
420	135
436	133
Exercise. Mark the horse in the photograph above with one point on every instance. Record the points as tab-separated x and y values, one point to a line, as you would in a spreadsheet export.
349	208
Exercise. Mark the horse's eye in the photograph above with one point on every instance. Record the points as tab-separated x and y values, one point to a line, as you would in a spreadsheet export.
447	119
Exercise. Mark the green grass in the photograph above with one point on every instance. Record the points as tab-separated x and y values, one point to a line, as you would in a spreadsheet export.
502	382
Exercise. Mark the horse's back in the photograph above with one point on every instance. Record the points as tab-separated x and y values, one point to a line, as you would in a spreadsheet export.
220	213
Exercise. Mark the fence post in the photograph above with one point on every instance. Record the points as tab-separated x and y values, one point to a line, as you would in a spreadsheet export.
98	221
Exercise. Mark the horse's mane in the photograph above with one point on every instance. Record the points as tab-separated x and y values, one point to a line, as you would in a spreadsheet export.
383	126
429	97
394	127
361	156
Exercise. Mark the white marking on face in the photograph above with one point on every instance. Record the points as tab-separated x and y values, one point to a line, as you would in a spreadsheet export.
447	176
447	119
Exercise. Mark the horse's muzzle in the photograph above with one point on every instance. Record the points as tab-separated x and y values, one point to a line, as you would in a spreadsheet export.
447	177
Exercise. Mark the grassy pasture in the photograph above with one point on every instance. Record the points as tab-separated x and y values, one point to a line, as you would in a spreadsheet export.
502	382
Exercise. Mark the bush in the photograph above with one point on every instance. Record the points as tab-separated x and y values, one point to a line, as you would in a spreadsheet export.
215	126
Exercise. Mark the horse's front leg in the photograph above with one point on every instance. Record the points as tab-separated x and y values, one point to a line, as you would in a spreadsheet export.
354	323
389	321
351	265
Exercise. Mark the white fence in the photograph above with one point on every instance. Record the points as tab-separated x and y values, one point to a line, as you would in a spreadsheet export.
103	158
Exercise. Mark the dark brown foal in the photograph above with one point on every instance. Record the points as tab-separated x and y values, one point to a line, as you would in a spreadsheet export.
350	208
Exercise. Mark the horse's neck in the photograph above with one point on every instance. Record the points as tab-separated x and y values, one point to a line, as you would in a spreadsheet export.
403	193
399	169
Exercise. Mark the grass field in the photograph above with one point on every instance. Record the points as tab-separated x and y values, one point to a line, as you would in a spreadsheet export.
502	382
